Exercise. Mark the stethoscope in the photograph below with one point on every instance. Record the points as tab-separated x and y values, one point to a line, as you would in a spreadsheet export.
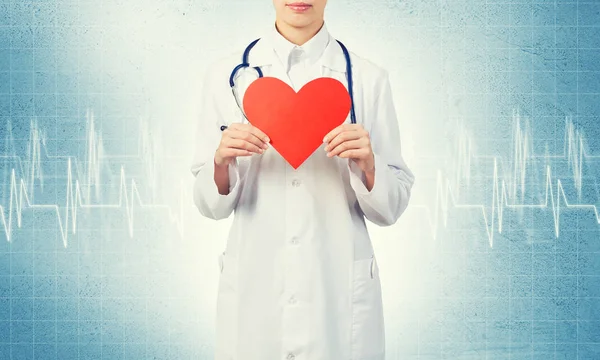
245	64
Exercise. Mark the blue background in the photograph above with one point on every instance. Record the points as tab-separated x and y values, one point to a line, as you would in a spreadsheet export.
103	255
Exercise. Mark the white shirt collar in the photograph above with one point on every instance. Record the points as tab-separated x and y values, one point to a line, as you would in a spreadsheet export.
313	49
264	52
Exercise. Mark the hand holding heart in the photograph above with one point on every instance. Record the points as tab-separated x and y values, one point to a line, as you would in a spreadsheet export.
351	141
296	122
240	140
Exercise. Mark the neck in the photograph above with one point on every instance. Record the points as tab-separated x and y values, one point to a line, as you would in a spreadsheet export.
298	35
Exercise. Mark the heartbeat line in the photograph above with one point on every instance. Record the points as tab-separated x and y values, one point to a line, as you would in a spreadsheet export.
445	196
508	189
21	195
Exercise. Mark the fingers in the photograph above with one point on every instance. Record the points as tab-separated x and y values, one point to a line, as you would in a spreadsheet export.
333	133
341	128
243	144
252	130
224	155
358	144
241	140
354	153
343	136
248	138
258	133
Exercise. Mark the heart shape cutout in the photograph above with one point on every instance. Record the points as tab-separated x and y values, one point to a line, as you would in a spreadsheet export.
296	122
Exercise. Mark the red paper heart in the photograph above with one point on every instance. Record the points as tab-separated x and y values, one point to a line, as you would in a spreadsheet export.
296	122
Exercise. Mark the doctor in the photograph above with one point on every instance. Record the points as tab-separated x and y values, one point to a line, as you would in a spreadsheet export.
298	277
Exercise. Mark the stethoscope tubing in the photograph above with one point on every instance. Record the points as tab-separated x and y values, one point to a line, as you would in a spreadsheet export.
245	64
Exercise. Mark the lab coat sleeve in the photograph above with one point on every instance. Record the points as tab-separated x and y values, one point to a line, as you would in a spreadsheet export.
390	194
209	117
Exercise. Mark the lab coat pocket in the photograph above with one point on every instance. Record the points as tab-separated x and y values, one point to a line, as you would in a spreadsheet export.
227	308
368	336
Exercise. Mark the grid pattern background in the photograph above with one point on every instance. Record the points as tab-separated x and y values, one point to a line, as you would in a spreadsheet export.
103	256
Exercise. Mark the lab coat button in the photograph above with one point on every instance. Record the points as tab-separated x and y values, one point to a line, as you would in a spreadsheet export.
296	182
291	356
292	300
294	240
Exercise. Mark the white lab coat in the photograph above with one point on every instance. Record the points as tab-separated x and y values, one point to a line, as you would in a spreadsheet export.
299	279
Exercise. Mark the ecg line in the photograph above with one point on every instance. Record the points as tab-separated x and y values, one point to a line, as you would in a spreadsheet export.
574	151
128	197
447	194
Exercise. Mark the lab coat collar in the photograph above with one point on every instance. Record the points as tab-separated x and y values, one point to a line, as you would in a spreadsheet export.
313	48
264	52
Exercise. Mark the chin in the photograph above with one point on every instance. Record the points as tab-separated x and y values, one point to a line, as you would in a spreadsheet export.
298	21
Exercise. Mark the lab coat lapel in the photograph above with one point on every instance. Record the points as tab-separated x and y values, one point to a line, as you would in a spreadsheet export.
264	56
332	60
333	63
333	56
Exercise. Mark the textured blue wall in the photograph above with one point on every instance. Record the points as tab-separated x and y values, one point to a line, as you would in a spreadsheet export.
103	256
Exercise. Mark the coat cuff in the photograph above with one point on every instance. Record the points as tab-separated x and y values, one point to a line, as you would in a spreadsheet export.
214	201
379	193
